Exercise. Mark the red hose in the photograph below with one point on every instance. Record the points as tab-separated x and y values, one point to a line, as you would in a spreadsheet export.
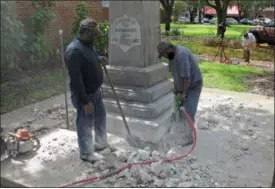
97	178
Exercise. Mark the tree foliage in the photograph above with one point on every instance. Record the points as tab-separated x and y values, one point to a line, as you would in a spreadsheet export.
179	7
12	36
102	43
221	10
168	6
37	26
256	6
81	14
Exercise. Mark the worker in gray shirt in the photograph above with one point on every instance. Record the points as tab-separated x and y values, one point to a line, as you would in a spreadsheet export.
187	78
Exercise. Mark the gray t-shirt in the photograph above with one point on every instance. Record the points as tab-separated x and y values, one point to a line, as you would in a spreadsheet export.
184	65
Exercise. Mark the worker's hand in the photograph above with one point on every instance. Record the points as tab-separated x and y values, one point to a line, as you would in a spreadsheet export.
103	60
183	96
89	108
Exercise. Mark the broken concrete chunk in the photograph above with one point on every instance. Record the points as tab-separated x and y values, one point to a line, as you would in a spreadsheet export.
143	155
194	166
144	176
173	182
156	168
134	171
197	177
158	183
121	155
124	173
172	152
244	147
156	154
54	139
57	107
255	136
216	184
164	173
105	152
49	111
185	184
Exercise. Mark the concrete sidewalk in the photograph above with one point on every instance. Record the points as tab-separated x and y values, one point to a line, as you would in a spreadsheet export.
23	114
235	148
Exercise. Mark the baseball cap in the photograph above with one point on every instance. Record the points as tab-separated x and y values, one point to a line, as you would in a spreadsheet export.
162	47
91	25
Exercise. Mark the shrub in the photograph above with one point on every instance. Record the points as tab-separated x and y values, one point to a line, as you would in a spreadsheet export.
102	43
12	38
173	32
176	32
81	14
37	25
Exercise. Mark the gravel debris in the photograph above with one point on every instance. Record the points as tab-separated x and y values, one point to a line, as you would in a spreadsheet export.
221	113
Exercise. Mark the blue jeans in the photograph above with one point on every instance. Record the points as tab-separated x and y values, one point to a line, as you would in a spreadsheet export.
192	101
190	105
85	123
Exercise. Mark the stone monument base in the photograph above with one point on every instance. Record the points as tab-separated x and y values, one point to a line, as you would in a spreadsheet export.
147	130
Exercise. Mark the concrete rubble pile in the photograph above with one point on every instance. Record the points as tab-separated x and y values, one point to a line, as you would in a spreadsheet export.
181	173
212	114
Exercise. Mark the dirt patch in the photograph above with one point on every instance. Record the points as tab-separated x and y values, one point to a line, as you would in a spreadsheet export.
262	85
238	61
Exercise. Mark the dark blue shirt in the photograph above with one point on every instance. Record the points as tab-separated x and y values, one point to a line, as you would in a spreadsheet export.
86	74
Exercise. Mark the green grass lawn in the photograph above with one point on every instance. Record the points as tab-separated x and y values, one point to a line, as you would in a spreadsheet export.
207	30
16	94
33	89
199	48
227	77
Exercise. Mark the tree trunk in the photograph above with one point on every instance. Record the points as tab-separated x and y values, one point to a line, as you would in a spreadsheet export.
167	25
192	13
239	11
239	16
168	20
200	15
221	17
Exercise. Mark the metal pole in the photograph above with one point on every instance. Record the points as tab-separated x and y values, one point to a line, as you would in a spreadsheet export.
64	77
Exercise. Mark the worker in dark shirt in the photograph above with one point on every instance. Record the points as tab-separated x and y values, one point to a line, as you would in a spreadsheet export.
86	78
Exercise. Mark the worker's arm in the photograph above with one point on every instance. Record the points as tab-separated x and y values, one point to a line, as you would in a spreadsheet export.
184	71
74	61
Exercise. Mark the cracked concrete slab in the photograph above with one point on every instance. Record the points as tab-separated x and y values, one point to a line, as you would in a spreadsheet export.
235	149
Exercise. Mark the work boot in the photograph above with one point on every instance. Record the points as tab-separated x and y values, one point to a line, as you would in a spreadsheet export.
99	147
90	158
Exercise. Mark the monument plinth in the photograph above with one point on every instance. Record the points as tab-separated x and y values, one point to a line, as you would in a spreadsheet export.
140	80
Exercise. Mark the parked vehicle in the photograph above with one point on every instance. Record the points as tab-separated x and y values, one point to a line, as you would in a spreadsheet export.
246	21
213	21
229	21
260	21
183	19
196	20
265	34
205	20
